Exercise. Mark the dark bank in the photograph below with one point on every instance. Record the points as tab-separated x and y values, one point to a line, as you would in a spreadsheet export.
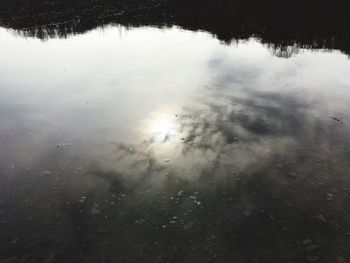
311	24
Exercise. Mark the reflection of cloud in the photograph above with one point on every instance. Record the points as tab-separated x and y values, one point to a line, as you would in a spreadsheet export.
239	130
241	136
161	128
235	134
231	178
217	174
227	183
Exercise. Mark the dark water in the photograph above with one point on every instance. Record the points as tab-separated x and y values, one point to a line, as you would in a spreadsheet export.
174	132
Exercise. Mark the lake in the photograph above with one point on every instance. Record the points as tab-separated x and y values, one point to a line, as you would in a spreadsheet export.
153	135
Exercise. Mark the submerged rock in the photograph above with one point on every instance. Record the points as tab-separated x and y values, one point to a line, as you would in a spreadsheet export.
94	211
307	242
312	247
312	258
82	199
180	193
329	196
47	172
140	221
102	230
321	219
247	213
14	241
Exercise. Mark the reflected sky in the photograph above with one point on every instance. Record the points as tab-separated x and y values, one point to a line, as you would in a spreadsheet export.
125	85
168	123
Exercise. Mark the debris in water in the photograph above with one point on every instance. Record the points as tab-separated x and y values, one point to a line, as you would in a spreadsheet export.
82	199
47	172
180	193
311	247
14	241
139	221
247	213
321	219
63	145
94	211
307	242
330	196
58	215
312	258
102	230
336	119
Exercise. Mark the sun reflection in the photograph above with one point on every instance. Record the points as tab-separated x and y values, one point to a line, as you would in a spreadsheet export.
162	128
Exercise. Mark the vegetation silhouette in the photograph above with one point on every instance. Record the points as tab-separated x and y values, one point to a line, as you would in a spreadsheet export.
284	25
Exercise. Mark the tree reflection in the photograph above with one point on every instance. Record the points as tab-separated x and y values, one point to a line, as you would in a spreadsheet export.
301	25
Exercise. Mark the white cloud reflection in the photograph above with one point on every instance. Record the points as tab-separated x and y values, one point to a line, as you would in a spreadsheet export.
105	87
161	127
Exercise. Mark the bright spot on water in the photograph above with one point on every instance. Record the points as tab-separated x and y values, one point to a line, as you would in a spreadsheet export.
162	128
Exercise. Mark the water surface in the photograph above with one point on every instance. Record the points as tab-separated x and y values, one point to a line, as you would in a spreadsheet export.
155	144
